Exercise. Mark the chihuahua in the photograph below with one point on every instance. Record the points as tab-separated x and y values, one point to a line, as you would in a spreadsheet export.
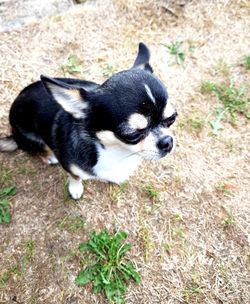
95	131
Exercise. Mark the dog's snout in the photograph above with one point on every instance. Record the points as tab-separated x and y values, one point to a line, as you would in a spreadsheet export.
165	144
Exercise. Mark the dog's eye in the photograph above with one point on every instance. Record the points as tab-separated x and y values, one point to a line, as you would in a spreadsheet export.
169	121
132	138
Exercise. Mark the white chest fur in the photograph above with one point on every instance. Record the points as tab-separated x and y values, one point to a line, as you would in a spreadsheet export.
115	164
116	160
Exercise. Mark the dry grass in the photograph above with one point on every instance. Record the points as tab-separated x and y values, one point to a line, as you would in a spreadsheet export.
191	243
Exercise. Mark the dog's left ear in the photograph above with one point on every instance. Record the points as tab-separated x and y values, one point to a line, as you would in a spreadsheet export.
70	97
142	59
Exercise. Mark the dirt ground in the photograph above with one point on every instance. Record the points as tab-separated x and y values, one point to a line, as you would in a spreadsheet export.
191	241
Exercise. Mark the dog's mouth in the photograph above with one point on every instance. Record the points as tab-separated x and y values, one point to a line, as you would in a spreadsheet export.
153	155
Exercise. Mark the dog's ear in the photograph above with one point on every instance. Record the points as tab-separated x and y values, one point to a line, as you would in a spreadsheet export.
142	59
70	97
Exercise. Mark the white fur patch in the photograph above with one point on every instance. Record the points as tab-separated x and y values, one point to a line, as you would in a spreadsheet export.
52	160
150	95
70	100
168	111
7	145
149	148
117	160
75	187
107	138
137	121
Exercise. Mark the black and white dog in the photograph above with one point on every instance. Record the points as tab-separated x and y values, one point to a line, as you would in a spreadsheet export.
94	131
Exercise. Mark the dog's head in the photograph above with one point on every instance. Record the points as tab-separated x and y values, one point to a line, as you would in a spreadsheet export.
130	110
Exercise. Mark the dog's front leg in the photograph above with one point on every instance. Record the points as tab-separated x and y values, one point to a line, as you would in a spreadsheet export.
75	186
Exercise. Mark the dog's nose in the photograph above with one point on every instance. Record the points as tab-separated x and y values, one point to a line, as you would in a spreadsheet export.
165	144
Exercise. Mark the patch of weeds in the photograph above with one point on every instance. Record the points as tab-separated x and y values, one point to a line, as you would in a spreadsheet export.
72	223
207	86
223	270
229	220
6	178
191	48
178	217
224	188
176	240
222	67
151	191
29	252
5	216
116	191
24	170
168	247
178	233
108	70
191	292
246	62
29	247
145	241
232	99
176	53
178	182
109	271
216	124
194	122
122	187
5	277
230	145
72	66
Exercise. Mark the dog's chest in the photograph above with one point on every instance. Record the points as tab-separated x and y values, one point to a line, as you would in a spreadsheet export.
115	164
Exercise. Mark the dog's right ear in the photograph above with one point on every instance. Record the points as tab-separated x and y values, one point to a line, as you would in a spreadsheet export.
70	97
142	59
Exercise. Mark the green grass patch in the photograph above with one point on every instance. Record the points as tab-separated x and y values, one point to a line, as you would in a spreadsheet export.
109	271
191	293
229	221
232	102
246	62
176	53
146	242
224	188
72	66
222	67
28	256
6	178
151	191
7	274
116	191
72	223
5	216
29	247
193	123
108	70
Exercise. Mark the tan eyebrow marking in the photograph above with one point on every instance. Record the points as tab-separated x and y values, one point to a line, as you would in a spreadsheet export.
137	121
168	111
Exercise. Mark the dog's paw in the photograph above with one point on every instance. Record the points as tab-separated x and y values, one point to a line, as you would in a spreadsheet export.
52	160
75	188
